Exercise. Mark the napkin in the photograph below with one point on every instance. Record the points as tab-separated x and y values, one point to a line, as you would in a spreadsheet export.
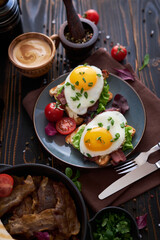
96	180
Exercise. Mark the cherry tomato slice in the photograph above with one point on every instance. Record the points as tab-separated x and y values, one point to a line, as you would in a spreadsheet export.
66	125
119	52
6	185
53	112
92	15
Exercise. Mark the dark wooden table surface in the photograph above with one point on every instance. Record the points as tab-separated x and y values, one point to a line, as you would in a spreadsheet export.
133	23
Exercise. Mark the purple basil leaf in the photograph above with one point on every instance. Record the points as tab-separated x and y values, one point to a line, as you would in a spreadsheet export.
42	235
120	102
125	74
50	129
141	221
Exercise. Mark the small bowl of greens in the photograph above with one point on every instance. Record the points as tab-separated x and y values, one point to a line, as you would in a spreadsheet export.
113	223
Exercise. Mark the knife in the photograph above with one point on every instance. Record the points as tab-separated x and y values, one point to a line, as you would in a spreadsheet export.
140	172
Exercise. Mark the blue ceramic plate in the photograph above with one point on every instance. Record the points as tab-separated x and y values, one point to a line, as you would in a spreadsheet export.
56	145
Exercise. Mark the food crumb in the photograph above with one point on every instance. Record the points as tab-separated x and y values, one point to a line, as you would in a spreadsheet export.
152	32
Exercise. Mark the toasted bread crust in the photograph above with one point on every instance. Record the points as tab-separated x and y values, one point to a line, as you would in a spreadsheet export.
53	91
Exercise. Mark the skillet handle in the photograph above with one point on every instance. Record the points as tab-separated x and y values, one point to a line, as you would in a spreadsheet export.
4	166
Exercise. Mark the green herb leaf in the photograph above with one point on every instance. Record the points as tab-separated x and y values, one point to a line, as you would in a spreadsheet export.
79	105
90	84
84	79
81	90
88	155
100	124
86	94
77	83
92	101
99	75
145	62
72	86
68	172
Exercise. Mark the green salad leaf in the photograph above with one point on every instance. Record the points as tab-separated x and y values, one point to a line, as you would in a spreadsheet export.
76	138
104	97
60	90
128	139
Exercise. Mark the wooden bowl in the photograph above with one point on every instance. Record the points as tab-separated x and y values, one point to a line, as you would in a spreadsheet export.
78	51
40	68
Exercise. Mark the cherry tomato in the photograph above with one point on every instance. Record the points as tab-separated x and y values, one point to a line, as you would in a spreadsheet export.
118	52
92	15
6	185
53	112
66	125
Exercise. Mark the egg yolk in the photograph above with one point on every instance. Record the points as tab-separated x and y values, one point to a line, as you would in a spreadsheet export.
98	139
83	77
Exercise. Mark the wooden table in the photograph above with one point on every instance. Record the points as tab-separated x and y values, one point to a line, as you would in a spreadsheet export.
134	24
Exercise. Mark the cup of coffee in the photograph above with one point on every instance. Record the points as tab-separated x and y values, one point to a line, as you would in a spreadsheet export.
33	53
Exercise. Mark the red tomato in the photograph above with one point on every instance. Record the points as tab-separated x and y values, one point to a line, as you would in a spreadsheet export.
92	15
118	52
6	185
66	125
53	112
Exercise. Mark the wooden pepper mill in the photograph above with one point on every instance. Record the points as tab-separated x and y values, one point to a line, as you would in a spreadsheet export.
74	24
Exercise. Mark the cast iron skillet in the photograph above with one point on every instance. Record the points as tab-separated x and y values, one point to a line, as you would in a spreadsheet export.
39	169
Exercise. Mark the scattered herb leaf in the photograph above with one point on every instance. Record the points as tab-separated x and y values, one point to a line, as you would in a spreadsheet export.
145	62
69	174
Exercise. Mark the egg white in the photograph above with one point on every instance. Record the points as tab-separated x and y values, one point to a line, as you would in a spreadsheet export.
93	94
114	129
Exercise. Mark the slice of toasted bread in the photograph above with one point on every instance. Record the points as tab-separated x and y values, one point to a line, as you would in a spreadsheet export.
102	160
79	120
4	235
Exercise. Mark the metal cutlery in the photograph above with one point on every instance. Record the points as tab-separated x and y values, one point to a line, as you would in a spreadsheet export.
131	177
138	161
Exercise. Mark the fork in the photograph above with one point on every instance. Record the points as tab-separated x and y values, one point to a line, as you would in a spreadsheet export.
138	161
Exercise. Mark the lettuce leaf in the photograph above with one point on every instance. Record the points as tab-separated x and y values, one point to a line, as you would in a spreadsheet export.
76	138
104	97
128	139
60	90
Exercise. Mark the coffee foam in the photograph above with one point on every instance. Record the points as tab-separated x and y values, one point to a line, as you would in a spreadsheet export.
31	52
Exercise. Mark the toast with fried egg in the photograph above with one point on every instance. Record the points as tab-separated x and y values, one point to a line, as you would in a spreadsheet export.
102	142
84	88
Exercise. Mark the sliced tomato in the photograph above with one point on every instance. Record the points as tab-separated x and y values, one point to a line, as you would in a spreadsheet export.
6	185
65	125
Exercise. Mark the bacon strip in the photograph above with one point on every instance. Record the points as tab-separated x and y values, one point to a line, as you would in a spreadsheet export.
117	156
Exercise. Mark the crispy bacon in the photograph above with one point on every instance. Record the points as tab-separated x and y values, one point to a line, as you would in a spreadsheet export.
117	156
61	98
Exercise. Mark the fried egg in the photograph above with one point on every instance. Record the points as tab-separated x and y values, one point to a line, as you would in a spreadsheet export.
104	134
83	87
